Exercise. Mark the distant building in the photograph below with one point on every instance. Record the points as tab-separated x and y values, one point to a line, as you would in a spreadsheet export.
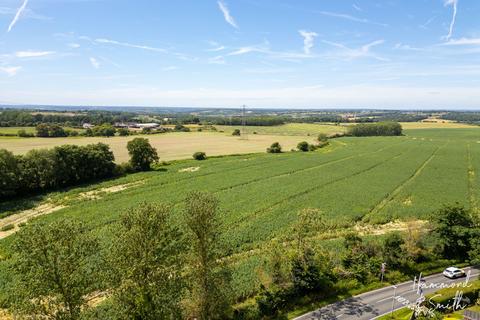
87	126
147	125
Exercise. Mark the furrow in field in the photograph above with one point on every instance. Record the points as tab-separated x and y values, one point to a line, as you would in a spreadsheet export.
297	171
284	200
391	196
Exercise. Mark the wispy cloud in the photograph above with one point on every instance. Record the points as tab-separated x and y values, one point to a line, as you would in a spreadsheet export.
350	18
463	42
33	54
17	15
454	17
357	8
10	71
308	40
355	53
170	68
217	60
226	14
425	25
95	63
74	45
126	44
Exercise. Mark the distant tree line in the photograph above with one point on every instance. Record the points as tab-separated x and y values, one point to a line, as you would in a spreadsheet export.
467	117
375	129
68	165
30	118
249	121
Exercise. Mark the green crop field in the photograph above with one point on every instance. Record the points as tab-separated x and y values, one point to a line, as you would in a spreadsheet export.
371	180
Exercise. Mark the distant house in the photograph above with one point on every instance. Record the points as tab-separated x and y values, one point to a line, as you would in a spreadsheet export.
120	125
87	126
147	125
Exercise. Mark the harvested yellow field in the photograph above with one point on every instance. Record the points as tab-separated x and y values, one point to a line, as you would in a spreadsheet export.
435	125
170	146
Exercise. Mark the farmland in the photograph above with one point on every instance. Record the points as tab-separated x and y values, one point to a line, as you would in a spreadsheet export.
354	180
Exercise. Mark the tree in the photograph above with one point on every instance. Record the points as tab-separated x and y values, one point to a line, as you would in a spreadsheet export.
37	170
142	154
54	269
199	156
104	130
303	146
9	172
123	132
453	228
393	252
148	258
42	130
236	132
275	148
210	292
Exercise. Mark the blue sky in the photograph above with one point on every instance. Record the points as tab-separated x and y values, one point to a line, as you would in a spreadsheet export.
263	53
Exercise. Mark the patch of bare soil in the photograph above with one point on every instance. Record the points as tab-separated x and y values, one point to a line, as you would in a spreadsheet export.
97	194
4	315
389	227
24	216
189	169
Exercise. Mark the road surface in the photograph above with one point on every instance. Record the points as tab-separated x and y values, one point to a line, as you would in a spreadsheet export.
373	304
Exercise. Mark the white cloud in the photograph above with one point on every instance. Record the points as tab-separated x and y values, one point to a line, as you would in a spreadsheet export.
17	15
33	54
454	17
226	14
463	42
74	45
362	52
357	7
350	18
217	60
10	71
126	44
170	68
308	40
95	63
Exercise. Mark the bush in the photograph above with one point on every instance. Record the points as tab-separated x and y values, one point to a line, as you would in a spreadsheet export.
275	148
199	156
105	130
7	227
322	137
236	132
123	132
24	134
303	146
181	128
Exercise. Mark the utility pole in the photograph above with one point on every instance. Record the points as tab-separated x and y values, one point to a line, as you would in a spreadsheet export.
393	300
244	134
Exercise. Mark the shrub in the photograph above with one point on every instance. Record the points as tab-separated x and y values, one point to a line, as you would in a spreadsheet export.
236	132
322	137
199	156
303	146
181	128
275	148
24	134
105	130
312	147
7	227
123	132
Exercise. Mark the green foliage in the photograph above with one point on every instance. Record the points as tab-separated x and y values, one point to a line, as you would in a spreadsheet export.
393	252
376	129
24	134
453	229
53	267
9	172
199	156
148	259
7	227
181	128
123	132
104	130
142	154
50	131
210	292
303	146
322	137
275	148
236	132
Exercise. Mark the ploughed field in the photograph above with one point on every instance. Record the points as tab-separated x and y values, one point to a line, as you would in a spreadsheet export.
372	180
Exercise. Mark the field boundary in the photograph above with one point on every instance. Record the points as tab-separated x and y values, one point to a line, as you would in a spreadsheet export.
471	181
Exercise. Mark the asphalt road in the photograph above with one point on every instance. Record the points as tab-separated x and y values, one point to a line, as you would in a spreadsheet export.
373	304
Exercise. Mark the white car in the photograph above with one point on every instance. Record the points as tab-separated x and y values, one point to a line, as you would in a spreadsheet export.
453	273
